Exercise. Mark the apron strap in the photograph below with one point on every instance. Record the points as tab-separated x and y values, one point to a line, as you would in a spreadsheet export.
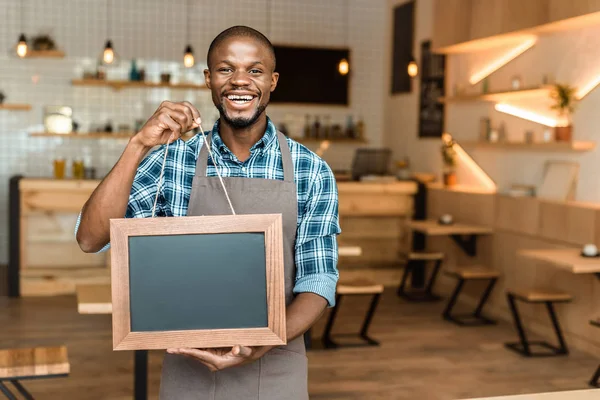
203	157
286	158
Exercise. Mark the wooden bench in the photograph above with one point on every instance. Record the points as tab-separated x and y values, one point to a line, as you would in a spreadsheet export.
464	274
548	297
419	260
353	288
31	363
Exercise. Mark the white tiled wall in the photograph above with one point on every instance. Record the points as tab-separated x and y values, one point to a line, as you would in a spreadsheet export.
154	32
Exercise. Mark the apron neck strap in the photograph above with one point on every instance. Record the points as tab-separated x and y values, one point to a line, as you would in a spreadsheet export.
286	158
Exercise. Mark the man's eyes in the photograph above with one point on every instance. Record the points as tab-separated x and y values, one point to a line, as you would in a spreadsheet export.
253	71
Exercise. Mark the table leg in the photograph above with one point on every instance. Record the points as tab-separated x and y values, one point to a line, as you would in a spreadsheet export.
140	375
417	276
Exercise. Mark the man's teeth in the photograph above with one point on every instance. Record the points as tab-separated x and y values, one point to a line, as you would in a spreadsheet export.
240	99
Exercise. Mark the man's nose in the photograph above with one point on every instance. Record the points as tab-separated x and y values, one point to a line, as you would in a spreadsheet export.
240	78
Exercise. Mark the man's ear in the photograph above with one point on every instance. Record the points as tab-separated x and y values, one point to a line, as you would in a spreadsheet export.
207	77
274	80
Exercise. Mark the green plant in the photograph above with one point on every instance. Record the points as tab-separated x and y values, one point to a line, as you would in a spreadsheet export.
448	153
564	99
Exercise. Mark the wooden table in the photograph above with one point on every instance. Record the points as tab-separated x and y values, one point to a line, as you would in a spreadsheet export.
566	259
464	235
349	251
591	394
97	299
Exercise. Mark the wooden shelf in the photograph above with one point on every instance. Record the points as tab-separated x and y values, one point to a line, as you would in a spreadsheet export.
15	107
331	140
92	135
539	91
118	85
85	135
45	54
580	146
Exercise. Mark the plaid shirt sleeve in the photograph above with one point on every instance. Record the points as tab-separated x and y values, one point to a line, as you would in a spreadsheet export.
316	244
143	191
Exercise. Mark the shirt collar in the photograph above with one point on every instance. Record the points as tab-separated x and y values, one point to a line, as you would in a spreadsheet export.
265	142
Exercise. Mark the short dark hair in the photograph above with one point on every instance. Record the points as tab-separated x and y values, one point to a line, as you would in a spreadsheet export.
240	31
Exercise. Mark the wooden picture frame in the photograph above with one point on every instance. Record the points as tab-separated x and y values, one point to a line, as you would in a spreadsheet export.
121	230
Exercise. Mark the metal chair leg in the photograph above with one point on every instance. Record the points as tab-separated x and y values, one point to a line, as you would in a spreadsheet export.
448	310
562	349
327	341
594	381
484	297
4	389
22	390
434	274
402	287
523	345
365	327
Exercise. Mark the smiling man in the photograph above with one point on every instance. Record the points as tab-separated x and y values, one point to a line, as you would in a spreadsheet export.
264	172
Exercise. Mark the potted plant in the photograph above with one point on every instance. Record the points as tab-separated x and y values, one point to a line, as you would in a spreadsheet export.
564	102
449	159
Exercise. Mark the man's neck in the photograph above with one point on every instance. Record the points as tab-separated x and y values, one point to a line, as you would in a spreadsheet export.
240	141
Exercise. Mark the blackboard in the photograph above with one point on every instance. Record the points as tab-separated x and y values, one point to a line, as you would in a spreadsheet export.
431	111
402	47
233	283
197	281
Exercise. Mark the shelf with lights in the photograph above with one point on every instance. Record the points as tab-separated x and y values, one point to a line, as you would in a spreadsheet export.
118	85
45	54
331	140
92	135
573	147
15	107
518	94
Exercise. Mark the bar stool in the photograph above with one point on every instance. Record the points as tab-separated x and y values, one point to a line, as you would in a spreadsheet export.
31	363
420	260
464	274
548	297
354	288
594	381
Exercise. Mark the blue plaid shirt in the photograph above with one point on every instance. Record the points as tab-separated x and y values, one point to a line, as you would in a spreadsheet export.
316	246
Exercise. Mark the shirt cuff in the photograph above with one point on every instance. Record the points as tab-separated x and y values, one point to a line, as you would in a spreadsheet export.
322	284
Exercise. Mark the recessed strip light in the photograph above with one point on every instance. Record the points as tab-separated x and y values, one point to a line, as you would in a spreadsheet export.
475	169
528	115
503	60
581	93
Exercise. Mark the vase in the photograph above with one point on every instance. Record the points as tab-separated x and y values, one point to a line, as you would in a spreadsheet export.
449	178
563	133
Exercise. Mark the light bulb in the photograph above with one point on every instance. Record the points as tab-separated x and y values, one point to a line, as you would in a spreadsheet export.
188	58
343	67
109	55
22	46
413	69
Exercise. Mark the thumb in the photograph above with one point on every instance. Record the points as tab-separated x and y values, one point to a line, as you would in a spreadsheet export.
241	351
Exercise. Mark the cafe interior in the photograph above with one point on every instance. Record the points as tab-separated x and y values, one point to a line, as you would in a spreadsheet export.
461	135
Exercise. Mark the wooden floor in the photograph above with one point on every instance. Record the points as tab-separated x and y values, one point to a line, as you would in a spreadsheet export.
421	357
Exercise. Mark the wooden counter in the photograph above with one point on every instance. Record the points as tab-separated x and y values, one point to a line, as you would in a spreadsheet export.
525	224
372	216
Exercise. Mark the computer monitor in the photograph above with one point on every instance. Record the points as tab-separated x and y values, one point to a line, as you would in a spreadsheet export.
370	162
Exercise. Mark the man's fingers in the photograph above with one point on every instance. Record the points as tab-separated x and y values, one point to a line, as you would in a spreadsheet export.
179	117
194	111
168	124
241	351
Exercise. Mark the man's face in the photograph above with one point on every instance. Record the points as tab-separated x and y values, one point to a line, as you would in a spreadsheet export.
241	79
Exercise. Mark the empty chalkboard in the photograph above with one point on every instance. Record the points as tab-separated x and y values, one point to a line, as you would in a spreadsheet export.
201	281
180	282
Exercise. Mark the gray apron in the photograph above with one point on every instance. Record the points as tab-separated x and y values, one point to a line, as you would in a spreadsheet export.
282	373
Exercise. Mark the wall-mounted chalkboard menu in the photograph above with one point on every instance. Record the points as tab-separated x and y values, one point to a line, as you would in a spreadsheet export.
209	281
431	111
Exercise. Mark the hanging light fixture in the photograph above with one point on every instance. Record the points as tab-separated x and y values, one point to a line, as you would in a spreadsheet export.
108	55
344	65
413	68
188	56
22	44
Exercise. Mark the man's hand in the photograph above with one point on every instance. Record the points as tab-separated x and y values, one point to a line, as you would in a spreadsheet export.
169	122
222	358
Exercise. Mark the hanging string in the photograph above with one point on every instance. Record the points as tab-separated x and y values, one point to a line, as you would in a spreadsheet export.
162	170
